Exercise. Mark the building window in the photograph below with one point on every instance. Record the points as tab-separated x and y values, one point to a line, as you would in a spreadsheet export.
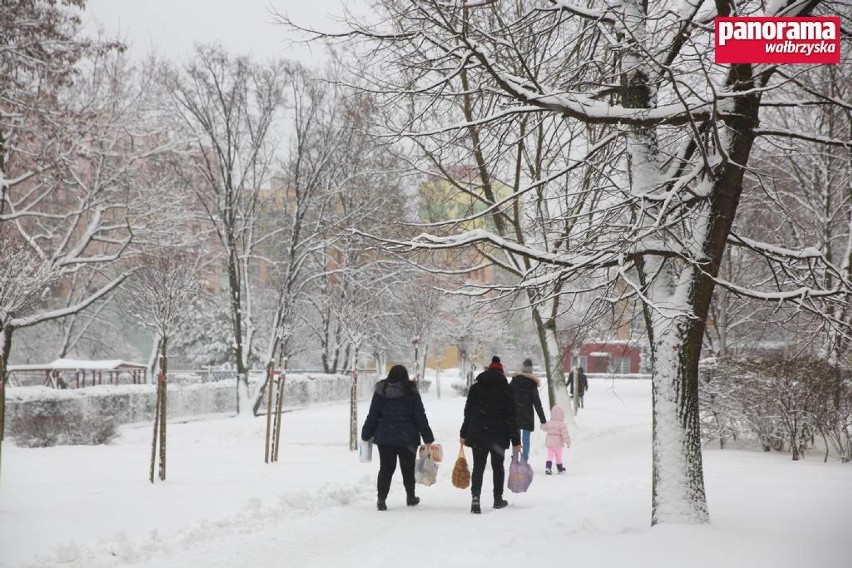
621	365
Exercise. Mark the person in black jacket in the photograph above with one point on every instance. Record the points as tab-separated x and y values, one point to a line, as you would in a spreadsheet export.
583	384
490	423
395	423
524	387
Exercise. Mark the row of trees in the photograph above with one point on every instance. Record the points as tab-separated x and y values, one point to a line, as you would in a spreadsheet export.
639	173
211	203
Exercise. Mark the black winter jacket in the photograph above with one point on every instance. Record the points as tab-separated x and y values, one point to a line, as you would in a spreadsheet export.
583	383
490	416
525	390
397	417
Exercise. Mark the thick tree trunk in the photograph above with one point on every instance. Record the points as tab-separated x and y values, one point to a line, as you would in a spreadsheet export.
678	476
556	389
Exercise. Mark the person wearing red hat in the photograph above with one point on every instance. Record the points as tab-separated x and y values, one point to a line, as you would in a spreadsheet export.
490	424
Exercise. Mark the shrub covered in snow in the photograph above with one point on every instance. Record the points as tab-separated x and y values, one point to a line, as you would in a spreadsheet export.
781	403
42	416
53	422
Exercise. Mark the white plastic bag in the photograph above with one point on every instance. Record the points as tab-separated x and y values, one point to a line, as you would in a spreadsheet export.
365	451
425	469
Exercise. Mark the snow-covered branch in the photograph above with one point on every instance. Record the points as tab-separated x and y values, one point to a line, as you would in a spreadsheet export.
780	133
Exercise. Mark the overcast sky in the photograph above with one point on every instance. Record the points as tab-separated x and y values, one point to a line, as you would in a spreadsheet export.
241	26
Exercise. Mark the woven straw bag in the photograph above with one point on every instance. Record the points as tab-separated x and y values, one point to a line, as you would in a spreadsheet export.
461	472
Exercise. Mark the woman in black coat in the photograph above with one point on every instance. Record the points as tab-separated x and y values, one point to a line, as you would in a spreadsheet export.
395	423
524	388
490	424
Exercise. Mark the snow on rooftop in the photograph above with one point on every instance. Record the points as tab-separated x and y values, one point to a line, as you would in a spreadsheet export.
79	365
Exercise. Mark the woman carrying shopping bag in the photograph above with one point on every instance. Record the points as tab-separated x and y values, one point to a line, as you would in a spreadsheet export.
395	424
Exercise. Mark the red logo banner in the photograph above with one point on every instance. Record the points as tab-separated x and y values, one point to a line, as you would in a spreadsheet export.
778	40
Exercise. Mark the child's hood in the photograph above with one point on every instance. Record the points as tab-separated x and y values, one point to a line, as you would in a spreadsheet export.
557	413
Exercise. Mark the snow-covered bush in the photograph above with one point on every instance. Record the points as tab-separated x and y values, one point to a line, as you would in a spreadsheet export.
781	403
54	422
832	414
718	401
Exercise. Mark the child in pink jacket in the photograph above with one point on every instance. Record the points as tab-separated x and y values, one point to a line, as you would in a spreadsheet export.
557	436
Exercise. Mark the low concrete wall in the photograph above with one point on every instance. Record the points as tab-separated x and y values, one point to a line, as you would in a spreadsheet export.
135	403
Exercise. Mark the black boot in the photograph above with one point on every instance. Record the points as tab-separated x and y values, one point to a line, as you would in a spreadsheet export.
474	505
499	502
381	505
412	500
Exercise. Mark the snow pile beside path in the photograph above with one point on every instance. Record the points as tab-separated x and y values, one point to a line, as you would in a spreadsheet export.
120	549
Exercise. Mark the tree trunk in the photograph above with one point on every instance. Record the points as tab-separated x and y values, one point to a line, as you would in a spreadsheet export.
268	383
353	405
163	410
678	477
156	433
381	365
235	285
5	349
557	390
724	301
261	391
153	359
274	345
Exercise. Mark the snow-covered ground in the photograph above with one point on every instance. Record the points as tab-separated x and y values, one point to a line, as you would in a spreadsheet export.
222	506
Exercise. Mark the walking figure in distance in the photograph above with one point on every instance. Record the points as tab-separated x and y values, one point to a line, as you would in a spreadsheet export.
583	384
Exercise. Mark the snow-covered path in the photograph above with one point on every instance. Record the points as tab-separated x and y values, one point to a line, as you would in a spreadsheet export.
93	507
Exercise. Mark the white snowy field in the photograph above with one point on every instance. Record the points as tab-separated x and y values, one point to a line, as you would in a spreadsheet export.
222	506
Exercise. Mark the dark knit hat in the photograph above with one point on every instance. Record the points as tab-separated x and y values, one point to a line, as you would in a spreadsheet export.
496	364
527	366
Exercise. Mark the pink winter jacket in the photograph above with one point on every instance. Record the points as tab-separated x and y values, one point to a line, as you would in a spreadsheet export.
557	432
